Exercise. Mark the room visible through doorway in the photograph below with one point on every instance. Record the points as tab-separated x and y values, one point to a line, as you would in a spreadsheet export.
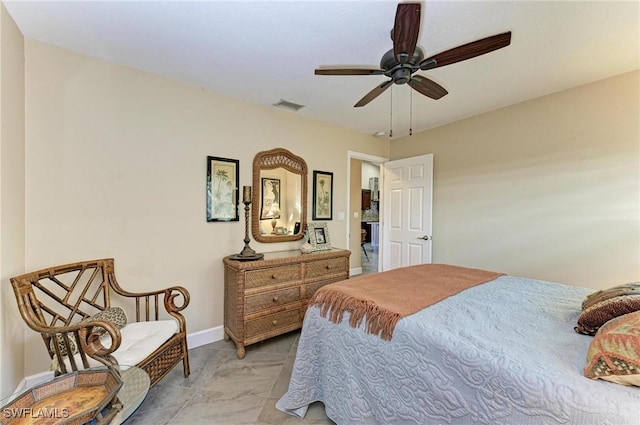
364	206
370	215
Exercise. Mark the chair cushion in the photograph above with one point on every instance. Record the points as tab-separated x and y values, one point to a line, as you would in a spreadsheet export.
139	340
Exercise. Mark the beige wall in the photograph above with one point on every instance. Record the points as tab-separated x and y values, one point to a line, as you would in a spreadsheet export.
548	188
12	223
116	167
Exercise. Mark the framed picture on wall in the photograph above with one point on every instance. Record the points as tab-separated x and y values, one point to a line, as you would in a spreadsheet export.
319	236
222	189
322	195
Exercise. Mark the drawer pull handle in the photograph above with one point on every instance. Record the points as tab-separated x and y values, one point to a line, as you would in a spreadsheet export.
274	323
275	299
273	276
328	266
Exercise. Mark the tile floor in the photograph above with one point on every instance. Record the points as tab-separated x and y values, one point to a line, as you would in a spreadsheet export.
223	390
370	266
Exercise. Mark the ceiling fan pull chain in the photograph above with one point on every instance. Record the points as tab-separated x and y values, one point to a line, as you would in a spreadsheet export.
391	114
410	112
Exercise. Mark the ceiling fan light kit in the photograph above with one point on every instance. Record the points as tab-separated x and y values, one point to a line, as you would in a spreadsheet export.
407	57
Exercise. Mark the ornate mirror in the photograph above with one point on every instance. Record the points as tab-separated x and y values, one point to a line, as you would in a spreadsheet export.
279	196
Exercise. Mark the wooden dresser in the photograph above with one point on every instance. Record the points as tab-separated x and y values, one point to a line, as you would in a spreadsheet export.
269	297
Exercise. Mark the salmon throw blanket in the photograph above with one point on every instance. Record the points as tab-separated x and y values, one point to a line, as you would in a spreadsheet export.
385	298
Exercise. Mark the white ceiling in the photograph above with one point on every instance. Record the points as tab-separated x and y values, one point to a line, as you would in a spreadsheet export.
264	51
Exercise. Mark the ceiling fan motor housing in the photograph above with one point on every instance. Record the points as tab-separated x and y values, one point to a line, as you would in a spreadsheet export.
401	73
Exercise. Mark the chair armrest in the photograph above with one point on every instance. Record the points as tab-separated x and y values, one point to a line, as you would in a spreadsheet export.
88	343
172	293
168	295
91	340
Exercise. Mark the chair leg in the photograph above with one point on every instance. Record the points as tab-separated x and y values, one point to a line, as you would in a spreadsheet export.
365	252
185	361
185	366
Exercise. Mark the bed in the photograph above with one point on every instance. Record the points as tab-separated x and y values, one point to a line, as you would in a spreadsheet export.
501	352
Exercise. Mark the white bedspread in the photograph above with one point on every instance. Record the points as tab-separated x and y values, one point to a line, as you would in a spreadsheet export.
504	352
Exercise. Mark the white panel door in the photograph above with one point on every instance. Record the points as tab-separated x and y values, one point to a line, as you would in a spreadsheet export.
406	212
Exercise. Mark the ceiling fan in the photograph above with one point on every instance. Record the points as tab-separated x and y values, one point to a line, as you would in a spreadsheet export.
406	57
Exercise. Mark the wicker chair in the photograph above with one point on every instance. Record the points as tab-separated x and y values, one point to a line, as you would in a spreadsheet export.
57	301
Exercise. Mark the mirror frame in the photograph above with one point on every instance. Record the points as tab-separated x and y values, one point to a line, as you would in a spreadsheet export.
269	160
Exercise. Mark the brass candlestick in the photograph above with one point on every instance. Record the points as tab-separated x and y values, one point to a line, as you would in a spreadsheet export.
247	253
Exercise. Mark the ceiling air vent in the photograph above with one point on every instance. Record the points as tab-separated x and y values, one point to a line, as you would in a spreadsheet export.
284	104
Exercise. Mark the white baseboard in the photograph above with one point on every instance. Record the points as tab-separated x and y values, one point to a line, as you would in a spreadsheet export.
204	337
355	271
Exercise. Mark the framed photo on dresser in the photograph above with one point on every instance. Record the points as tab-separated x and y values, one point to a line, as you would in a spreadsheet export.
319	236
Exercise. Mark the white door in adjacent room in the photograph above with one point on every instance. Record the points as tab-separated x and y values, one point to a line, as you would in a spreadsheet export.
407	190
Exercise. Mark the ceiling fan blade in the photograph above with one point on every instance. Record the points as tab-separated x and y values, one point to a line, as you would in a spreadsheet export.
467	51
427	87
405	31
373	94
348	71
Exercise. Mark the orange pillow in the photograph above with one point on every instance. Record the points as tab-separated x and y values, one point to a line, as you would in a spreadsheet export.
614	353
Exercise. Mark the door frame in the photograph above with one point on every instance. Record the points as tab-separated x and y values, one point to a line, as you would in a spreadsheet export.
369	158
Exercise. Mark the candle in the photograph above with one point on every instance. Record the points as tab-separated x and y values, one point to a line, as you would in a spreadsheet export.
246	194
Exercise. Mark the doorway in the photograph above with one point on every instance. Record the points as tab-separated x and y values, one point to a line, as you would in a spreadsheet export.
364	203
370	216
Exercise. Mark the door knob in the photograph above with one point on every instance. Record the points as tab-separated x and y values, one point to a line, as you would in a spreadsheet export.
424	238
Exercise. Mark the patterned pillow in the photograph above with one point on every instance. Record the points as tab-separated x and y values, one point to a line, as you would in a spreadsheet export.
73	345
614	353
115	315
601	306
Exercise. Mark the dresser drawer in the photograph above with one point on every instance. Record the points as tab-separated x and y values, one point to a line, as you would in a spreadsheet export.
272	276
264	301
272	323
309	289
325	267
